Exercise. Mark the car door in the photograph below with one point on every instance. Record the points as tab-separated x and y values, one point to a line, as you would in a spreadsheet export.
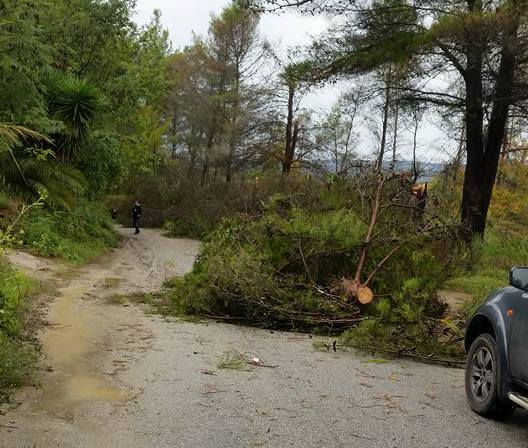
519	337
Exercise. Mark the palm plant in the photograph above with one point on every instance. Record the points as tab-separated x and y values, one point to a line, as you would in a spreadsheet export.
12	135
74	102
30	172
33	177
57	183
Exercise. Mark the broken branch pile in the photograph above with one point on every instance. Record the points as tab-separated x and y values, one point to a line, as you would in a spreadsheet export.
306	262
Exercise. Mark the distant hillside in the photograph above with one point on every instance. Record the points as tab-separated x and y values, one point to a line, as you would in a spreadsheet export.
427	170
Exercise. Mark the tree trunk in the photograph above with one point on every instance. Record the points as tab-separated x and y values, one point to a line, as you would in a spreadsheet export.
395	135
499	115
229	162
208	148
473	222
290	154
415	146
205	170
292	129
233	125
174	131
385	125
482	160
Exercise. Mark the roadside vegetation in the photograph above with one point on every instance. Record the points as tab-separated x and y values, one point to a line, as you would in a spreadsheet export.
505	244
77	235
17	352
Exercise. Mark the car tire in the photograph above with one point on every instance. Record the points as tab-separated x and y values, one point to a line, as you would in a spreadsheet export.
483	377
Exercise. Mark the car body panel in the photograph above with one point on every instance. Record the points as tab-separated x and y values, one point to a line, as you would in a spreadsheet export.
506	312
518	343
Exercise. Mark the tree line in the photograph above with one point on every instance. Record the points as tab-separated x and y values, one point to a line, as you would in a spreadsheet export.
90	100
467	58
81	97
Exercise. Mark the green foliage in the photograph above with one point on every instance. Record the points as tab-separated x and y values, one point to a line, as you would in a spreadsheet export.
77	235
409	321
418	326
69	69
198	227
23	49
386	32
4	199
262	270
74	102
102	163
17	359
13	135
281	267
488	266
16	356
14	286
31	177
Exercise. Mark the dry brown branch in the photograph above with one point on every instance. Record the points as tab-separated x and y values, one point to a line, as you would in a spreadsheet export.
354	289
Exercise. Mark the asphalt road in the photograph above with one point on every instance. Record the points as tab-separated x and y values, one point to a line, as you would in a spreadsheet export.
147	382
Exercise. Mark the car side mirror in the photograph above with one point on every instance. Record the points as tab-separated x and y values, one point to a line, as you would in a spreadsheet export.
519	278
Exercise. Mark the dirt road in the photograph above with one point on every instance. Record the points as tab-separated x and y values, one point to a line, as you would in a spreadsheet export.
120	378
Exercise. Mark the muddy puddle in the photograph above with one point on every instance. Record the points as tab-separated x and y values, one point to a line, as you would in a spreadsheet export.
70	345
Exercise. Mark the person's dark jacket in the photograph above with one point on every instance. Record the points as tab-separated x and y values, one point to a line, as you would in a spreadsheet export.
136	212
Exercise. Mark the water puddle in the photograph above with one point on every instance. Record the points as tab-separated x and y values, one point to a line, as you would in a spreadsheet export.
70	346
84	387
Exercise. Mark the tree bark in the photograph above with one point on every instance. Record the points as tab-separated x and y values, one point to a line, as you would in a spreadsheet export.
415	146
395	134
385	124
472	220
500	112
483	158
292	131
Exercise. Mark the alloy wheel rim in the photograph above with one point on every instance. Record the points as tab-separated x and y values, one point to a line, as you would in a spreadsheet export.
482	377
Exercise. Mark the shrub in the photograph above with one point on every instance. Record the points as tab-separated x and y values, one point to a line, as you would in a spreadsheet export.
171	196
408	323
489	264
17	357
77	235
265	270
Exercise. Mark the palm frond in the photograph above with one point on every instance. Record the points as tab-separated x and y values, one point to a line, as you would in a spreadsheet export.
74	102
60	184
12	134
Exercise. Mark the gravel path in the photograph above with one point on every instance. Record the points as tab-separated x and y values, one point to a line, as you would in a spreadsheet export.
120	378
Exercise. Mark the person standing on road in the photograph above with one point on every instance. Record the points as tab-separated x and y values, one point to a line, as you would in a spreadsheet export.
136	216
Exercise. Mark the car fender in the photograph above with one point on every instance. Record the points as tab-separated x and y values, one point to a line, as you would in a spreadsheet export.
491	316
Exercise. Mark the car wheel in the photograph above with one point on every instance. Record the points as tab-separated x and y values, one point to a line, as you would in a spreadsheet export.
482	378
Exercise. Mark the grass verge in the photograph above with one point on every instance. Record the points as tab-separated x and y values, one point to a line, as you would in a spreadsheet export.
78	235
17	353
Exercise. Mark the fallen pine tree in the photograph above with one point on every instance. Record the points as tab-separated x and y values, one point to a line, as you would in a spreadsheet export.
290	265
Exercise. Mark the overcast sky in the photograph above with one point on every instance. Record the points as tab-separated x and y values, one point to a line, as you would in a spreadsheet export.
183	17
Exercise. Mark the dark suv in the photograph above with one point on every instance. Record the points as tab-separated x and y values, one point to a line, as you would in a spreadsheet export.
497	347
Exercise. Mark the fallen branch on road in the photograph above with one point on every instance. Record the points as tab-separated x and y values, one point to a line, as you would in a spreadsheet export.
403	353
